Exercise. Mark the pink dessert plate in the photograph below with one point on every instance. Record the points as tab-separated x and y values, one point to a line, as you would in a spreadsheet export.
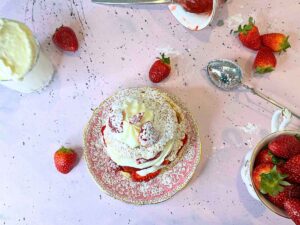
106	173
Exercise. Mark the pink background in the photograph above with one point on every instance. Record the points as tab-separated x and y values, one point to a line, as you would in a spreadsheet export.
117	47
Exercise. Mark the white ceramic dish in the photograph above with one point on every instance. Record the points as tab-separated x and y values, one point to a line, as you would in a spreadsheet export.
193	21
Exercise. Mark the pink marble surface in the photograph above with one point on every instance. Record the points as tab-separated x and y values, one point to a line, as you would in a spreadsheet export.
118	45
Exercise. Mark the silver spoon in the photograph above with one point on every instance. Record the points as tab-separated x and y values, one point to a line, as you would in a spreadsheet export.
227	76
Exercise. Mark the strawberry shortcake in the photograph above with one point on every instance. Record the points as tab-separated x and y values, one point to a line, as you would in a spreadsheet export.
145	133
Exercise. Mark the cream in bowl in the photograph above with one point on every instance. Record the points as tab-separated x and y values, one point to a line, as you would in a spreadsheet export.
23	66
275	173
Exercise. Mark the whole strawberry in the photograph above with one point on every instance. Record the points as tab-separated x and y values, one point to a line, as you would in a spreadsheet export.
65	38
266	156
265	61
269	179
249	35
292	208
65	159
160	69
292	169
285	146
276	41
292	191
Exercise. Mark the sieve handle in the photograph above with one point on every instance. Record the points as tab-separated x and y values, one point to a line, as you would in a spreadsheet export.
267	98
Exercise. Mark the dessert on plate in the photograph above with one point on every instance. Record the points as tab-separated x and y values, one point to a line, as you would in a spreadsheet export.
144	134
142	146
23	66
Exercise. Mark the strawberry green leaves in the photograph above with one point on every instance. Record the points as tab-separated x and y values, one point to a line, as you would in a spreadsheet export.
273	182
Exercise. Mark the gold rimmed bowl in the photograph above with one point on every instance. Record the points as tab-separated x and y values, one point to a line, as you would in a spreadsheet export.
260	146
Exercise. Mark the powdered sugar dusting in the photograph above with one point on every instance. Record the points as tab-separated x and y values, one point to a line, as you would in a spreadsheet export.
136	118
115	122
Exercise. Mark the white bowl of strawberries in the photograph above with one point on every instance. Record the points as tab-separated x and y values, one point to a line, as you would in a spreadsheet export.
275	173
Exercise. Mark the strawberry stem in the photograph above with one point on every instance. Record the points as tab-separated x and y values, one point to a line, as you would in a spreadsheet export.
262	70
65	150
251	20
247	27
285	44
272	183
275	159
165	60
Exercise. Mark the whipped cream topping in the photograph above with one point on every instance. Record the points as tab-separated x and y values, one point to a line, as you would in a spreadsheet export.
18	50
138	109
131	130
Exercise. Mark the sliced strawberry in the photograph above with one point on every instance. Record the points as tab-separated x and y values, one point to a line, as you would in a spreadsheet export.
115	122
141	160
265	156
285	146
148	135
129	169
102	132
184	141
268	179
292	208
166	162
137	178
292	169
136	118
292	191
